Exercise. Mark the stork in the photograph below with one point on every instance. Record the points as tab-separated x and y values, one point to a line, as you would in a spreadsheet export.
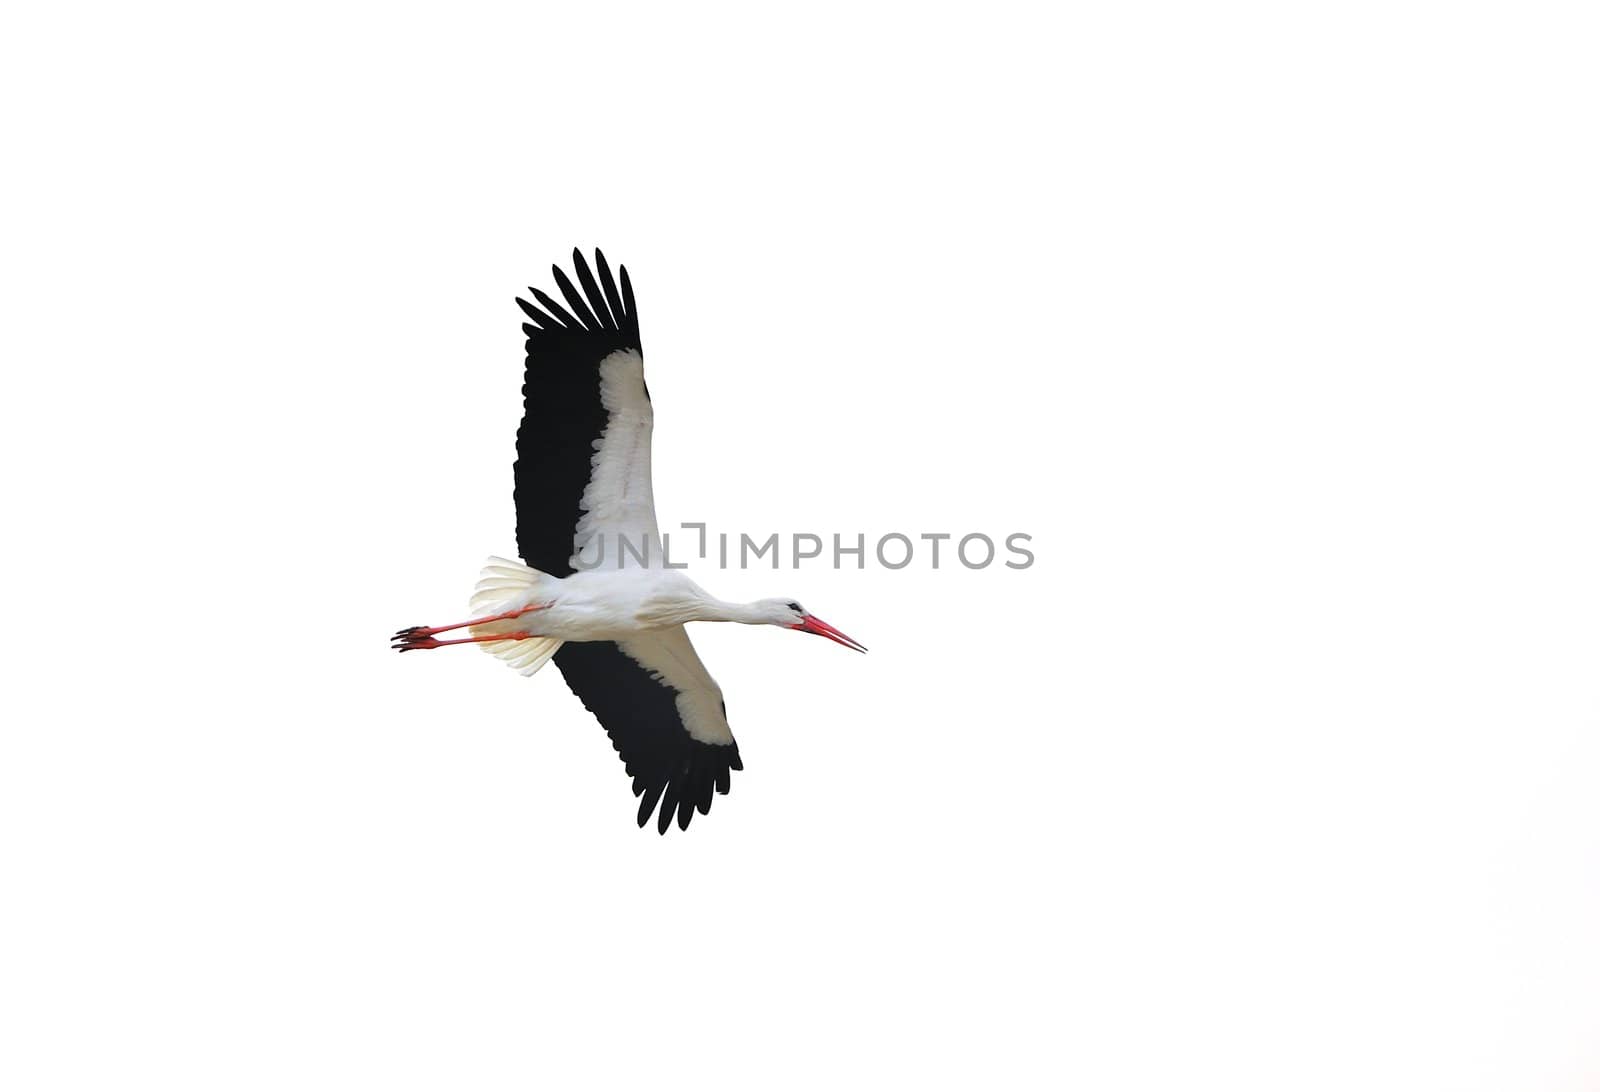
593	591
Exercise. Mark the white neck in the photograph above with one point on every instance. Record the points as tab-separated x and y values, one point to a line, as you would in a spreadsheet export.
696	605
718	610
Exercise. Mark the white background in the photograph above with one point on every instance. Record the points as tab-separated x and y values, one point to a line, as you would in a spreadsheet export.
1274	325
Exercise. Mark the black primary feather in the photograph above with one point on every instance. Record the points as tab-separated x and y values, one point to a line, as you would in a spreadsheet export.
597	301
610	286
575	301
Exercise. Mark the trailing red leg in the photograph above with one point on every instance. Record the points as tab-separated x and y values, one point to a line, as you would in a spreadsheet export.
429	631
409	640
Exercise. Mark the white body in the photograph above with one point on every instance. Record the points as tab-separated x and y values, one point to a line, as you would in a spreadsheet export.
611	605
608	605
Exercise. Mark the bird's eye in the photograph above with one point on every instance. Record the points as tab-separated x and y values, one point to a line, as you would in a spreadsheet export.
796	606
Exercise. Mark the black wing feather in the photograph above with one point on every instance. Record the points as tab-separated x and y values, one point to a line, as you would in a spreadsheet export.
542	320
596	300
558	311
628	306
610	287
575	301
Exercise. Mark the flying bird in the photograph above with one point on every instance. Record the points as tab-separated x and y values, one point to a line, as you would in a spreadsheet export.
592	591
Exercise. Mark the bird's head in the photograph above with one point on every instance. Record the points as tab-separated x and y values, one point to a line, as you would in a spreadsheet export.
791	615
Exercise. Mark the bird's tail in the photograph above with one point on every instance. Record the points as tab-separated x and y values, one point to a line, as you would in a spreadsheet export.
510	585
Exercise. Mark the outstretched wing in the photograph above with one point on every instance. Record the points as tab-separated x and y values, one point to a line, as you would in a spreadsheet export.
583	449
664	714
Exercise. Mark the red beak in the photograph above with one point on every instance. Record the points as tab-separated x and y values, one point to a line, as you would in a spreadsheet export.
812	624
